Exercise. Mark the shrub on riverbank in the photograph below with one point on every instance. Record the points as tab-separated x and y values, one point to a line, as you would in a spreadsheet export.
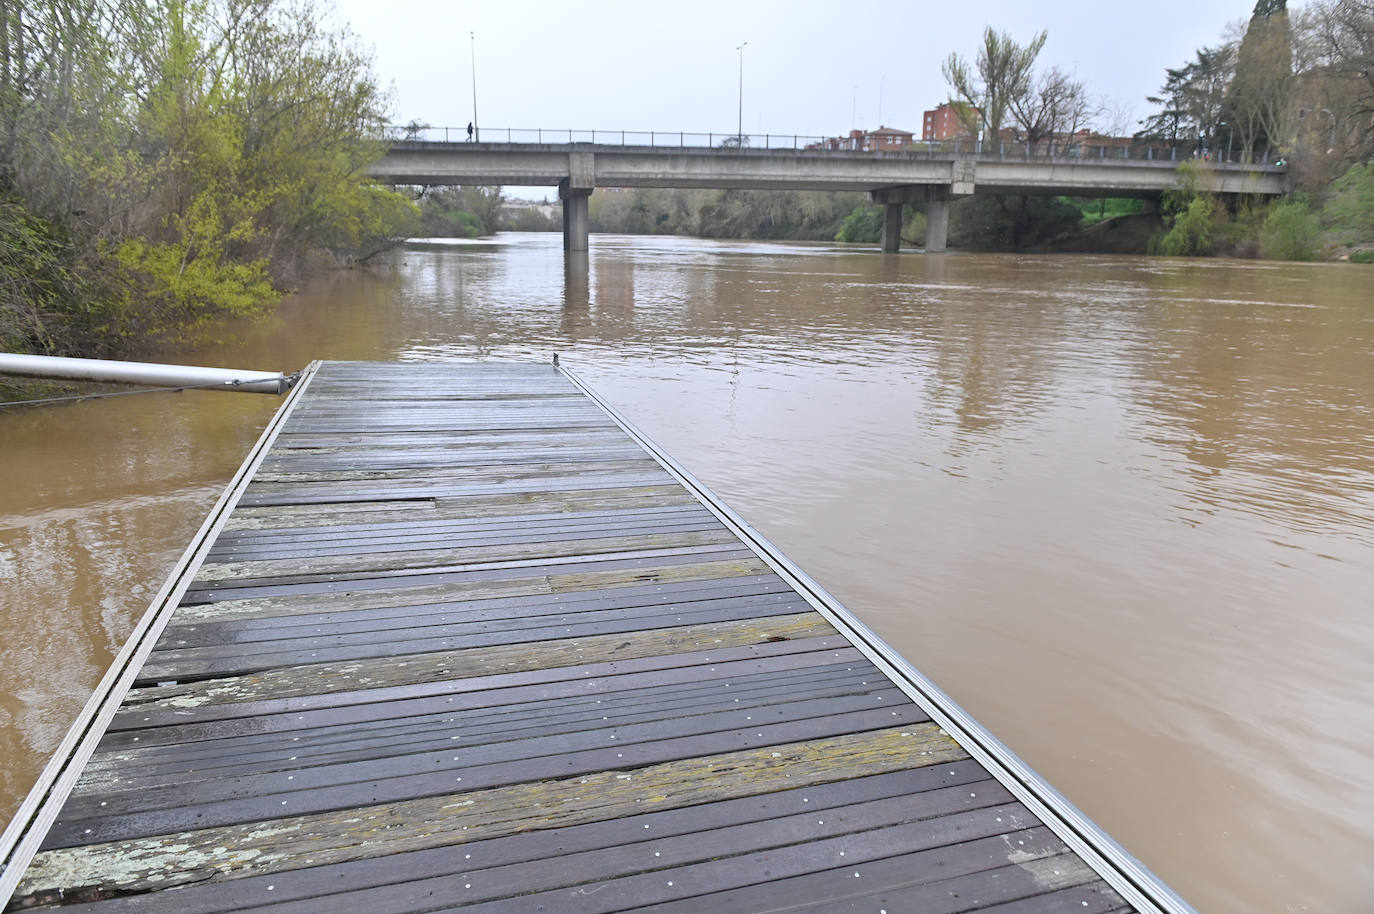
183	161
1291	231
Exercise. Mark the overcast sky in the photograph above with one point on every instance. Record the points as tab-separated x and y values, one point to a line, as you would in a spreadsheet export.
809	67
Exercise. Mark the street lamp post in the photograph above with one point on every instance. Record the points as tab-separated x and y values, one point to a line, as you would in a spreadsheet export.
473	46
739	126
1332	144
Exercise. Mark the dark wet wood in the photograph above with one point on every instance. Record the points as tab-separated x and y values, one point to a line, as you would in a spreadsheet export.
463	643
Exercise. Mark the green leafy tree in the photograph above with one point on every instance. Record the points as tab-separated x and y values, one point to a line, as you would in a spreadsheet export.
1191	99
1000	72
1192	231
188	153
1256	106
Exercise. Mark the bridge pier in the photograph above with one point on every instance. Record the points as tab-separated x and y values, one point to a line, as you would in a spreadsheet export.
892	227
937	225
576	216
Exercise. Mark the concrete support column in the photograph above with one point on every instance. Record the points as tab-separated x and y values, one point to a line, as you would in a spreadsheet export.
576	217
892	228
937	225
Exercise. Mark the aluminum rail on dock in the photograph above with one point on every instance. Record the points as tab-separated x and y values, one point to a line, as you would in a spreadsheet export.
147	373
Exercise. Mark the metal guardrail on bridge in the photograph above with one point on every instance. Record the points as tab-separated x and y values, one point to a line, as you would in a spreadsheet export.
1116	149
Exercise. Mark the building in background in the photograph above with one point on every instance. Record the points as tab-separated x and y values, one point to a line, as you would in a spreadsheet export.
943	123
884	139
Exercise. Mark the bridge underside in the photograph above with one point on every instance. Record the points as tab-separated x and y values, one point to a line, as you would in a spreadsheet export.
894	179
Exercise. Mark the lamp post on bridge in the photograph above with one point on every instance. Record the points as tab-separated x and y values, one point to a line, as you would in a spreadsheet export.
739	127
473	46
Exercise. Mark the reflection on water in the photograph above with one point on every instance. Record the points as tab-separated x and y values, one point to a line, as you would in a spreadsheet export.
1122	509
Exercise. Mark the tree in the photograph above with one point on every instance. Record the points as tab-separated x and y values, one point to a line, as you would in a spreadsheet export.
1054	107
1191	99
983	93
1256	105
185	152
1342	36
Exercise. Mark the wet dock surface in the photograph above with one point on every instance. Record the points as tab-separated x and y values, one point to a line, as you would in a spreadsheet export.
463	641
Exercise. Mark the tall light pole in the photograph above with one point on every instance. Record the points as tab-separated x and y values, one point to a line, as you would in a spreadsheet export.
473	46
739	127
881	84
1332	145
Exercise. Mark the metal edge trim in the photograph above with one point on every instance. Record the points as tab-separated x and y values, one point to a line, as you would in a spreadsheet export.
25	832
1117	866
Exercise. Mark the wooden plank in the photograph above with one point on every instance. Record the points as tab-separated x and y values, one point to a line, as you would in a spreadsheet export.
248	620
312	882
316	679
219	853
454	729
464	542
314	778
474	884
914	851
638	565
229	660
944	880
142	724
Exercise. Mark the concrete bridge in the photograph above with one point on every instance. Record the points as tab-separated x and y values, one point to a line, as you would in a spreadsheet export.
892	178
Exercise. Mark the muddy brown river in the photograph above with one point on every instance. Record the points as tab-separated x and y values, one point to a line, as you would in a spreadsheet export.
1121	509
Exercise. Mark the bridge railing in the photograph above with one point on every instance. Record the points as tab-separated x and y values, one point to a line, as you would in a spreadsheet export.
1106	148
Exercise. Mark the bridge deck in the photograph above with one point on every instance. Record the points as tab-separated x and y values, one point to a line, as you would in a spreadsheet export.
463	641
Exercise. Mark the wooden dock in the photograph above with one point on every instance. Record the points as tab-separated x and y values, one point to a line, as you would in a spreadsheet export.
458	637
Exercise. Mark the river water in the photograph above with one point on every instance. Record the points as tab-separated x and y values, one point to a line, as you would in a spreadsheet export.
1121	509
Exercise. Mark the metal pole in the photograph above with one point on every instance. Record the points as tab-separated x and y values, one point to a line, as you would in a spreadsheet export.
473	48
151	374
1330	114
739	127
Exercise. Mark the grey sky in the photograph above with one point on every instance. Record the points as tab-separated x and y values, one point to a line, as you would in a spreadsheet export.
673	66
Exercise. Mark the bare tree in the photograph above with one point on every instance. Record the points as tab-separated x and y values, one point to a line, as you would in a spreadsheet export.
983	91
1114	117
1052	108
1342	48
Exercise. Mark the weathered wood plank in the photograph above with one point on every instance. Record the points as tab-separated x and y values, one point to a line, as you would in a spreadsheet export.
916	851
215	854
231	660
152	726
649	565
457	728
391	773
313	881
316	679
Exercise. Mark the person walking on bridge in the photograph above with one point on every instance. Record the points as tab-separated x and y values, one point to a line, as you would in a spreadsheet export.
469	131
